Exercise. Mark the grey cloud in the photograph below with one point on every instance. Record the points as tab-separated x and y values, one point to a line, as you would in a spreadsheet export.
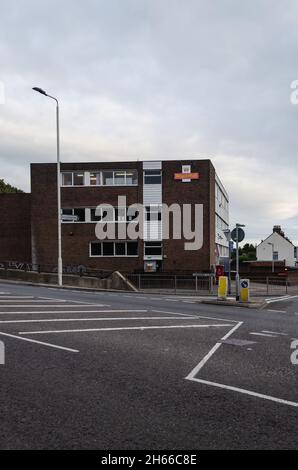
158	79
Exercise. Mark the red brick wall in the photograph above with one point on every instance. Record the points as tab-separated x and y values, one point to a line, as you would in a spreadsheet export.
76	236
199	191
15	232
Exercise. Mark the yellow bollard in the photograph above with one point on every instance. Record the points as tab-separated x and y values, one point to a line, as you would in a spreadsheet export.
244	290
222	291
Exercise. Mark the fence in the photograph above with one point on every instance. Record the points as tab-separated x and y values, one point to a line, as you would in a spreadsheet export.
206	285
173	283
79	270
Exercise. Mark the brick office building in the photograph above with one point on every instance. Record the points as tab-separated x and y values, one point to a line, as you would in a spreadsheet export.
86	185
152	183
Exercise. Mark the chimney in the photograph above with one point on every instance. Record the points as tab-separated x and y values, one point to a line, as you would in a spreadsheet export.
277	229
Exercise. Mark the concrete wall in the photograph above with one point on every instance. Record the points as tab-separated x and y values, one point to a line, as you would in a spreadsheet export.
116	281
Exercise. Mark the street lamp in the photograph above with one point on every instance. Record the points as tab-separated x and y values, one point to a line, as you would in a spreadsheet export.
39	90
272	246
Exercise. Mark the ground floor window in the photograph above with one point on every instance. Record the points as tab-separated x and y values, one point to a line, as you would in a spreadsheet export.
114	248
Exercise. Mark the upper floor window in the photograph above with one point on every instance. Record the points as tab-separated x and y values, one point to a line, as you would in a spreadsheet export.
152	177
153	248
70	178
100	178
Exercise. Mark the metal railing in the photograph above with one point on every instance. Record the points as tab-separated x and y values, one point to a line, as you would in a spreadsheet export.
79	270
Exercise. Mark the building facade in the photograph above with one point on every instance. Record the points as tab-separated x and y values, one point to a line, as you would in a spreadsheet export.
156	186
277	247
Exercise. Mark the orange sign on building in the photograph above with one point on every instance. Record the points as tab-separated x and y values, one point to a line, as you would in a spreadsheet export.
186	176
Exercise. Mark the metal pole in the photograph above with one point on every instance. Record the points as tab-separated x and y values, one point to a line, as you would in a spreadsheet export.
272	257
237	264
60	282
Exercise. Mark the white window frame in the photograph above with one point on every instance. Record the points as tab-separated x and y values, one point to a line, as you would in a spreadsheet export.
125	242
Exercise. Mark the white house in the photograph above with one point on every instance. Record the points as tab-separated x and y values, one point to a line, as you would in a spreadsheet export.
277	247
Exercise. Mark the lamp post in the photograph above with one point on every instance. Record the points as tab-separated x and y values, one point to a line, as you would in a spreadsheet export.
39	90
272	246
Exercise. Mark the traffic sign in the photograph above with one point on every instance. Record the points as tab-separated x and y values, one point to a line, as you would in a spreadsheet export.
241	234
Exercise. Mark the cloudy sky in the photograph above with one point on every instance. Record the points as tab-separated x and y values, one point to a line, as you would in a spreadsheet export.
158	79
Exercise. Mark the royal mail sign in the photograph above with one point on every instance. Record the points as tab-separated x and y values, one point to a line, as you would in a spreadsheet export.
186	176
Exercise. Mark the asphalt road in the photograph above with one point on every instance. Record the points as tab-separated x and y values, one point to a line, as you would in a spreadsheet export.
88	370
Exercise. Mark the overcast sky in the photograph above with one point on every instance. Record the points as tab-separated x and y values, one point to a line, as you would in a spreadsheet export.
158	79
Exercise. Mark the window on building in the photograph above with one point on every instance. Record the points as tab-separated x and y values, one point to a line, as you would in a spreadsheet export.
153	248
78	178
108	248
67	178
275	255
115	248
96	249
152	177
120	214
73	215
131	177
120	177
95	179
108	178
120	249
80	213
153	213
94	217
132	248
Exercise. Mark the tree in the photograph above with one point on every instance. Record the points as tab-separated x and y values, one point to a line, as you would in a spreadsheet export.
246	253
7	188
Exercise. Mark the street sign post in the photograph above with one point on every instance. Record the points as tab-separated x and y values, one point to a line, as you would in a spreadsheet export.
238	236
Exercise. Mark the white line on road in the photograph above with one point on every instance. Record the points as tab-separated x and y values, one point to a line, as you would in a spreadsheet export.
14	297
277	311
119	329
50	345
247	392
52	305
94	319
175	313
263	334
74	311
274	333
201	364
197	316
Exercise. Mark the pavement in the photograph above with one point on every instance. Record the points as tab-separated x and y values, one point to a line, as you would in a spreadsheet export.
111	370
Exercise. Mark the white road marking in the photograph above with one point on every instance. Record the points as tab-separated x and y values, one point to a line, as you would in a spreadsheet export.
15	297
197	316
169	300
119	329
94	319
201	364
277	311
263	334
50	345
27	300
247	392
52	305
274	333
75	311
281	299
176	313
